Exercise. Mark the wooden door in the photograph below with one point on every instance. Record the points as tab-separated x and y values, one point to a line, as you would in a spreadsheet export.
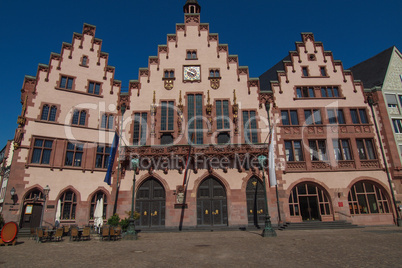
211	204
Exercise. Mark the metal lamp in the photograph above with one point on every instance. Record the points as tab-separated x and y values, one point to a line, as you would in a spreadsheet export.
268	231
131	233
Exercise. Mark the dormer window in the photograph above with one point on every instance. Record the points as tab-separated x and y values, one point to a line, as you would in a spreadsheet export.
191	54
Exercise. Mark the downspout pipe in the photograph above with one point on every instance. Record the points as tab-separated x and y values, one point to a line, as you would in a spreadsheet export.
398	218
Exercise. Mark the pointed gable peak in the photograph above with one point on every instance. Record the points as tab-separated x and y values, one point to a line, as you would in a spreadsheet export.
192	6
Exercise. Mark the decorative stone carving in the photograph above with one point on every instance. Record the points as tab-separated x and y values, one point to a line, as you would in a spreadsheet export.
215	83
235	113
169	83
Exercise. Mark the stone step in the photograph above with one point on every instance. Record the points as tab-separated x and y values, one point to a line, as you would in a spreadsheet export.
312	225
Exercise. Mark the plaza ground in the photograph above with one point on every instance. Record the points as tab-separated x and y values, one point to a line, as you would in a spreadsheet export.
361	247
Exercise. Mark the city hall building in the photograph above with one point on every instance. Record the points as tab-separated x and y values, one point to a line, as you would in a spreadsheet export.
196	123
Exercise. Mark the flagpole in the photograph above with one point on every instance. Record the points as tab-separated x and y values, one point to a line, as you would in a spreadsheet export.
123	110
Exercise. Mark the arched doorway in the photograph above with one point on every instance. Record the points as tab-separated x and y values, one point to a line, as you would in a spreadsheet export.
255	202
211	203
32	211
309	201
150	204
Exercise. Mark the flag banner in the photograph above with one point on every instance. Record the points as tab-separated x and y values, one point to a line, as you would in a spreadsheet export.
271	161
115	145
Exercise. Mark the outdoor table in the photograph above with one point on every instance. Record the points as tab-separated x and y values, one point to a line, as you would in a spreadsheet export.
50	232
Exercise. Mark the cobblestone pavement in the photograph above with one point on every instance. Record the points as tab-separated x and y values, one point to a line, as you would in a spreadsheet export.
363	247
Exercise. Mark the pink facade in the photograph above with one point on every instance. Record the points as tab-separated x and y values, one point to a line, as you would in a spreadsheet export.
195	93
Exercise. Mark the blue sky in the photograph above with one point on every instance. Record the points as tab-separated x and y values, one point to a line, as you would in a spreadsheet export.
260	32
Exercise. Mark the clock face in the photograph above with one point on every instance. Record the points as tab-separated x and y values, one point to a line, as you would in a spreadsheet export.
191	73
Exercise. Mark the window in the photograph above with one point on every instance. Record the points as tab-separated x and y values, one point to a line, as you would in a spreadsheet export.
49	116
365	198
329	92
94	88
342	149
42	150
323	71
397	125
293	150
335	116
84	61
359	116
169	74
400	99
66	82
97	199
79	117
214	73
167	115
305	92
102	156
313	117
107	121
305	71
140	129
391	100
366	149
68	205
318	150
194	115
74	154
222	114
166	139
191	54
250	127
289	117
223	138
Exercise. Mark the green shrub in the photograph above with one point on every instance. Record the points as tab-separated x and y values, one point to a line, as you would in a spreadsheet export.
114	220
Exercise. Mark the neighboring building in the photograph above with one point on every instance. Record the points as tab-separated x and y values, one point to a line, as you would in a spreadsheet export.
194	99
382	79
332	166
65	130
6	157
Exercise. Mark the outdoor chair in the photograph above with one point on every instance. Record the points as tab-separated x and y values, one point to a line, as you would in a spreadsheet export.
66	230
32	234
112	233
40	235
58	235
106	232
74	234
117	233
86	233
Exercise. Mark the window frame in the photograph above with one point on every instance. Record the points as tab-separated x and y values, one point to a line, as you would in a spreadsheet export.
107	121
222	112
304	92
142	126
293	151
66	85
167	116
289	118
364	152
104	156
336	116
358	116
313	116
81	119
305	72
340	146
318	154
94	201
42	149
191	54
397	124
333	90
51	112
250	129
95	83
359	201
77	155
73	205
197	112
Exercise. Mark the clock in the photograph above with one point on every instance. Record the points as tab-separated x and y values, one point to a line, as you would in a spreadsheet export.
192	73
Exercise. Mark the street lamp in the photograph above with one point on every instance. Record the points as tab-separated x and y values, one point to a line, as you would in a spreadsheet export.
131	233
268	231
12	192
46	191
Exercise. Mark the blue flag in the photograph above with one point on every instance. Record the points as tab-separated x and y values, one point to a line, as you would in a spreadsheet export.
115	145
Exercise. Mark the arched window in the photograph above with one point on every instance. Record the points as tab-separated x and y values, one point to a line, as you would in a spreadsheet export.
365	198
34	195
79	117
68	205
97	197
53	111
45	112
